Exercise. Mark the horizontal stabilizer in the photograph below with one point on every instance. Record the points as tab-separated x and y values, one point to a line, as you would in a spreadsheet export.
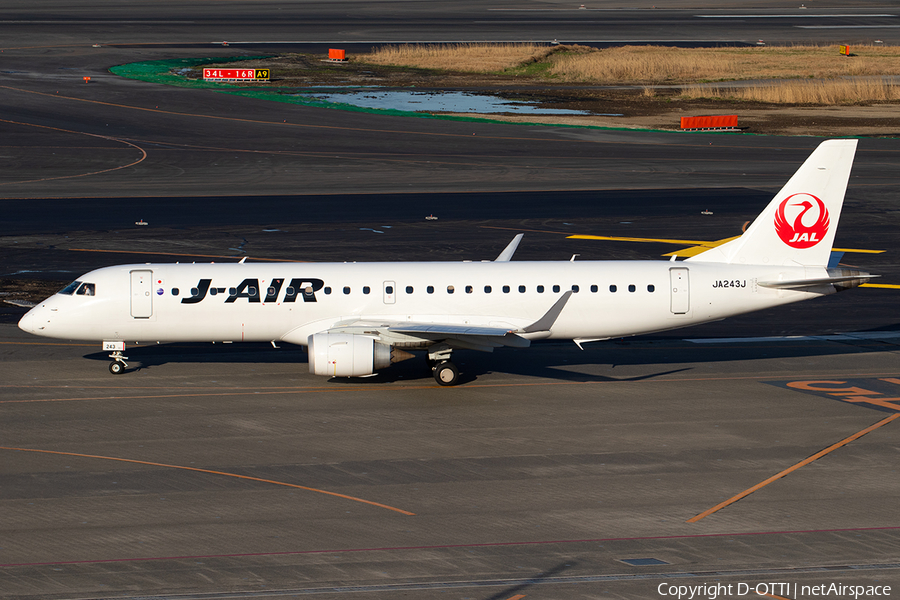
840	281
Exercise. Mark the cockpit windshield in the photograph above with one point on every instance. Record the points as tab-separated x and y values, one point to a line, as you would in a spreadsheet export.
79	289
70	289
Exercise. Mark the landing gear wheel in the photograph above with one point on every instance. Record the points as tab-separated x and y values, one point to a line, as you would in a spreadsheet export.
446	373
116	367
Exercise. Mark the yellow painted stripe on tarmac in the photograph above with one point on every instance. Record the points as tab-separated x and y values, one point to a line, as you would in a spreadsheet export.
887	286
695	243
859	250
688	252
789	470
635	239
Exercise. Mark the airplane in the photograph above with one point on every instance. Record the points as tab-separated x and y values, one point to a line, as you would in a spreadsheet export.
358	318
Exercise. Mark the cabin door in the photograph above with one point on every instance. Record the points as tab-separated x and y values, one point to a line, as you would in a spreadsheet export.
681	290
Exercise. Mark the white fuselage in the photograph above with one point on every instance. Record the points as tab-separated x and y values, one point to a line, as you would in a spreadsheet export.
291	301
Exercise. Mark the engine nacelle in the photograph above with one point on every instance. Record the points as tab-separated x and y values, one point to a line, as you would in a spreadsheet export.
346	355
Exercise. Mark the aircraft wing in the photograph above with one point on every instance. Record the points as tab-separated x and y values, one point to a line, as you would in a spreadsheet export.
442	329
463	336
474	337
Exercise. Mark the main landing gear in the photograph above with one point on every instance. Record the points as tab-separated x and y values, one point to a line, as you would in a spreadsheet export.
118	365
445	372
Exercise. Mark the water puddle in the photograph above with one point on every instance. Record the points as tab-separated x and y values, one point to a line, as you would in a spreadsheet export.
455	102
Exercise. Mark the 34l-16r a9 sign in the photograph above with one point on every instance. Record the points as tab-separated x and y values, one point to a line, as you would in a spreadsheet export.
236	74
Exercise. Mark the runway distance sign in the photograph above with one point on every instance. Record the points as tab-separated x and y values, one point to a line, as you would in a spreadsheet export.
236	74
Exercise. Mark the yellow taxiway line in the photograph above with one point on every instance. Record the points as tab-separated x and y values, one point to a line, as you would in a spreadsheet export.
793	468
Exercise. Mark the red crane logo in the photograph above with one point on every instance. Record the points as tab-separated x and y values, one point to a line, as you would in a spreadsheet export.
796	233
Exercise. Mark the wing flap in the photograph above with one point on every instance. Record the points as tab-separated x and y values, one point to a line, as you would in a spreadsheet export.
444	329
467	336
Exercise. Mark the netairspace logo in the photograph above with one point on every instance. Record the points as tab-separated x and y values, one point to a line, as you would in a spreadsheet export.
718	590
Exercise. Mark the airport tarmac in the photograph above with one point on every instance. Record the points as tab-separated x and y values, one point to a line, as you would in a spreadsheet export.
216	471
724	454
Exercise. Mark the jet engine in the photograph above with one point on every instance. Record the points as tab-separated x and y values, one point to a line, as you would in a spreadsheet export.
349	355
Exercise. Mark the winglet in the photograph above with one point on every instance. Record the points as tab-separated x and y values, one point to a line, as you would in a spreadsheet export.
547	321
508	252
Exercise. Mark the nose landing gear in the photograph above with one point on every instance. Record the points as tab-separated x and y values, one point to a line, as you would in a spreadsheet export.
118	365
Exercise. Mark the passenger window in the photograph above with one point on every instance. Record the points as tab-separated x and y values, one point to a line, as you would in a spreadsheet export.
271	291
521	289
213	291
450	289
469	289
540	289
346	290
613	289
231	292
430	289
409	289
175	291
70	289
390	289
251	291
505	289
289	293
575	289
651	288
594	288
366	289
487	289
631	287
556	289
327	290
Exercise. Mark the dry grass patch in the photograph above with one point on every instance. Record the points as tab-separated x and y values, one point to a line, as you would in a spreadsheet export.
479	58
658	64
805	92
646	64
643	64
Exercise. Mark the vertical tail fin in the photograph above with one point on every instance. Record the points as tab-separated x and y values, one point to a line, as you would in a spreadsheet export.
798	225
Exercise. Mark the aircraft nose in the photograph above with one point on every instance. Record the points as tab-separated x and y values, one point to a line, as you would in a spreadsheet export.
26	323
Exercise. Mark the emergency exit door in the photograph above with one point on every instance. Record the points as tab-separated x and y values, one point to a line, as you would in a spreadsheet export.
681	290
390	292
142	294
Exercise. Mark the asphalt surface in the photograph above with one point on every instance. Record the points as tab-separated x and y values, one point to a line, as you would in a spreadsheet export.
539	475
211	471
